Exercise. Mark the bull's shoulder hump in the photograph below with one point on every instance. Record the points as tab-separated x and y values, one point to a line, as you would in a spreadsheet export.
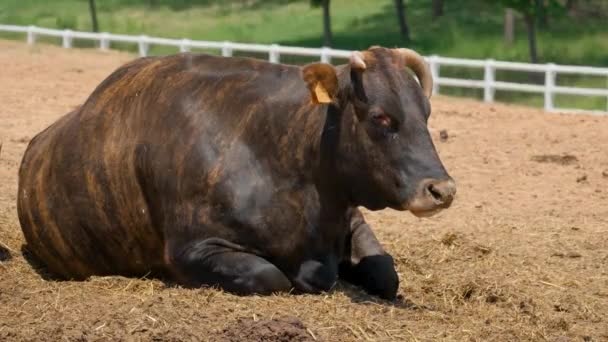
232	63
187	68
208	66
253	80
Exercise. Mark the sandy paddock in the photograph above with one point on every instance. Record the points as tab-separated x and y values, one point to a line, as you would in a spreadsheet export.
521	255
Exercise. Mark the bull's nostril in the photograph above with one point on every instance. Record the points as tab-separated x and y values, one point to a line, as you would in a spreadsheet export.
437	195
433	195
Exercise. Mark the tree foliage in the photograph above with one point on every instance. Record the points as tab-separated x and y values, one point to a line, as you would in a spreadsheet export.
535	13
534	8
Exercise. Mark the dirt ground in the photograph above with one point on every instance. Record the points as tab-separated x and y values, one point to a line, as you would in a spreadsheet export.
522	255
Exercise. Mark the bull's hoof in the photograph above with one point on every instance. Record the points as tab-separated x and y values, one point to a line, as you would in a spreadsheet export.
377	276
316	277
263	280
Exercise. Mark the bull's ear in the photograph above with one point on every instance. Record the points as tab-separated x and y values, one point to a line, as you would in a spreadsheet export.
322	81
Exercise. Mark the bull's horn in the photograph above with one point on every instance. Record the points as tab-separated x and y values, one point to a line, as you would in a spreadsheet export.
356	60
417	64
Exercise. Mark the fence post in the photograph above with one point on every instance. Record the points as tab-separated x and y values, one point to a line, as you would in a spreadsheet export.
184	46
325	55
273	55
104	41
433	61
31	35
67	39
488	79
143	46
227	49
549	85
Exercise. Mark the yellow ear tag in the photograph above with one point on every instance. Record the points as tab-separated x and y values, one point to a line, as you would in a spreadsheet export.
321	94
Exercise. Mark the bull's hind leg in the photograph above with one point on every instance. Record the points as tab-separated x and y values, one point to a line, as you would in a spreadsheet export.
367	264
213	262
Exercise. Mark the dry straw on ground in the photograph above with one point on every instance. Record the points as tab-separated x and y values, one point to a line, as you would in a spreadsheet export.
522	255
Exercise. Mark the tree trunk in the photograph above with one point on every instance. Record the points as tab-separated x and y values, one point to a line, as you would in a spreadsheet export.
437	8
509	26
403	27
531	28
569	4
327	38
93	15
541	14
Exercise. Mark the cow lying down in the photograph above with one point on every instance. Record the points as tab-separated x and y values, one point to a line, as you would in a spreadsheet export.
235	173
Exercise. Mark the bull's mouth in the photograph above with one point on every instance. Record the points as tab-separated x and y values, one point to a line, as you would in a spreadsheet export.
418	209
426	213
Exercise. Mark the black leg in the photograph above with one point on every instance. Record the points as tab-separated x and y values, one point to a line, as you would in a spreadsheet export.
367	264
215	262
315	276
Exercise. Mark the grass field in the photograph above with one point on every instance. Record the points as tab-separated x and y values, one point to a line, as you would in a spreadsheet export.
469	29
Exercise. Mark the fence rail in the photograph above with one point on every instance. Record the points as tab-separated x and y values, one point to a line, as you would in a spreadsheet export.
488	84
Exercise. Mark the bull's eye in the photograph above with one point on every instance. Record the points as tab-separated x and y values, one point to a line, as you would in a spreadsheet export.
381	119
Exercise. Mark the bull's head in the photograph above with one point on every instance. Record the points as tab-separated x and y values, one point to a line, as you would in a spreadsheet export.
384	152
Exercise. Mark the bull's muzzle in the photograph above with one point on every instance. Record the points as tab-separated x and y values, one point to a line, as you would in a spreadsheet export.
432	195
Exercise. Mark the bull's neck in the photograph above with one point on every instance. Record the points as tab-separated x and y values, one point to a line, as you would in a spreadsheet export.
331	187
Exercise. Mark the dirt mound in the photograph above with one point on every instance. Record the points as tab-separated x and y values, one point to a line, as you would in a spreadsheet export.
287	329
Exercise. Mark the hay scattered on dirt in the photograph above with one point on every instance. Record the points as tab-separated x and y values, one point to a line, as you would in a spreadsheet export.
520	256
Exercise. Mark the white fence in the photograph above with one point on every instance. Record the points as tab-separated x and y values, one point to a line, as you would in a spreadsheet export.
274	51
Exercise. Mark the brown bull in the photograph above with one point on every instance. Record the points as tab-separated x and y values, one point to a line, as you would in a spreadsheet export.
235	173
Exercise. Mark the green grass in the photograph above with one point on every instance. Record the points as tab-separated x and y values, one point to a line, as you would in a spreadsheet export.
469	29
